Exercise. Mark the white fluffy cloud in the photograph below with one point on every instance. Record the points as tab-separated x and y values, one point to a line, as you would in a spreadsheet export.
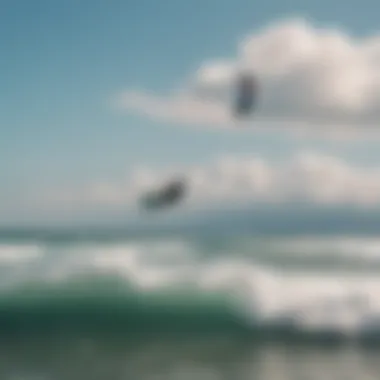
307	177
308	75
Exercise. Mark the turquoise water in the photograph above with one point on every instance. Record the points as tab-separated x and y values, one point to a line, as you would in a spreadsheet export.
185	306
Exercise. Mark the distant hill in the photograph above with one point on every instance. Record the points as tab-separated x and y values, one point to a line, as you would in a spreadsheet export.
256	219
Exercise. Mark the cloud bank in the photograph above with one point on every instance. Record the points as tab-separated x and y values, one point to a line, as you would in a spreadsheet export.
306	177
308	77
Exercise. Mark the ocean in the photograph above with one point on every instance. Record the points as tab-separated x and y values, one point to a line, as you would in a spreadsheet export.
201	305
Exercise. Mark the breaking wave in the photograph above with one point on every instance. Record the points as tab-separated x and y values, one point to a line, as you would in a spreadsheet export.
188	286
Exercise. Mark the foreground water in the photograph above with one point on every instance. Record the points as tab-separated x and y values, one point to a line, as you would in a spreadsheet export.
189	306
119	357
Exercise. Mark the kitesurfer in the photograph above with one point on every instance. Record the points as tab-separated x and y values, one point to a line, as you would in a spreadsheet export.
169	195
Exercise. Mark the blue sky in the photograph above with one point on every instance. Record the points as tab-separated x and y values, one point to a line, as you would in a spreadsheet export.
64	61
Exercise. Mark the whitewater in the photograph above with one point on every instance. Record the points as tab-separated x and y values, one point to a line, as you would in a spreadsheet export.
273	287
